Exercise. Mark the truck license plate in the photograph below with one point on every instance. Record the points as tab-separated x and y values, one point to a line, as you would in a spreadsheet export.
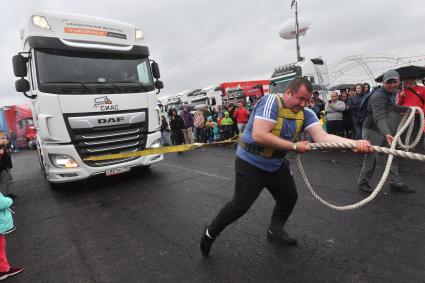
117	170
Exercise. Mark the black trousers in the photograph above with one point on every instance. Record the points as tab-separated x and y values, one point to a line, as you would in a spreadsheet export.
335	127
250	181
200	134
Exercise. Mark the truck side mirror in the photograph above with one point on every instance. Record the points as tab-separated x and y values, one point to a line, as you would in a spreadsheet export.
22	85
19	65
159	84
155	70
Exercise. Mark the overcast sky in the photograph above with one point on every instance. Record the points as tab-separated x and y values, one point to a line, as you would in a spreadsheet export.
199	42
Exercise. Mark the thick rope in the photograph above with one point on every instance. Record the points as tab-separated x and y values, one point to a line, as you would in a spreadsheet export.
407	121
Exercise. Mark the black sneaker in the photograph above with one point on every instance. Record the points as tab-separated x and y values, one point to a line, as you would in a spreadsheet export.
365	187
206	243
401	188
12	271
281	237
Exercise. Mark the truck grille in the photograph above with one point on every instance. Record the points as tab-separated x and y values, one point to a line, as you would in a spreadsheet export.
109	142
103	140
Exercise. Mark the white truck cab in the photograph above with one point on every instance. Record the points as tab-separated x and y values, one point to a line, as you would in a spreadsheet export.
208	96
315	70
92	87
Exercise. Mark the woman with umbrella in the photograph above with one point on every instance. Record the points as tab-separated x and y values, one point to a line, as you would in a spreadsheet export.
412	94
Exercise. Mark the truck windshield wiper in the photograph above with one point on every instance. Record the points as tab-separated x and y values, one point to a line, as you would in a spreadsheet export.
69	87
98	87
124	86
129	86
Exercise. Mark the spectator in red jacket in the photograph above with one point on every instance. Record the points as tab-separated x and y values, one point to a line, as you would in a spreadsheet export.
412	95
241	117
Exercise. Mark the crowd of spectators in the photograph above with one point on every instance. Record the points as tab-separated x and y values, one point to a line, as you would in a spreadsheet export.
340	115
205	125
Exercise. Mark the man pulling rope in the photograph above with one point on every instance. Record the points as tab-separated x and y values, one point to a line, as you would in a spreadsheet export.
270	134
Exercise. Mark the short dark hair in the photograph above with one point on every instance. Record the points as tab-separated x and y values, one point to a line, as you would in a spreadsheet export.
297	83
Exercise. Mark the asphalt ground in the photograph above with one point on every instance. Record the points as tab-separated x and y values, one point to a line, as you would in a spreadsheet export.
145	226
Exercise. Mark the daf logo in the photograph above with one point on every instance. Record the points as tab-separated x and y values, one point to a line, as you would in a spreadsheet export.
110	120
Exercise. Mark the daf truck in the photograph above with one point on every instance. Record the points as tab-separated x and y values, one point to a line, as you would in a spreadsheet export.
92	87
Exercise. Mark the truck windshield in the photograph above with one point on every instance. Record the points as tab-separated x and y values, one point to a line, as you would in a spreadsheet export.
30	122
279	86
76	72
175	105
203	101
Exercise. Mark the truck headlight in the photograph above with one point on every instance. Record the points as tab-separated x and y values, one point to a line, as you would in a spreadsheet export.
41	22
139	34
62	160
156	144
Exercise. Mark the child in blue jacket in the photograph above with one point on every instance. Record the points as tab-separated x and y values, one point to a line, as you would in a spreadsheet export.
6	226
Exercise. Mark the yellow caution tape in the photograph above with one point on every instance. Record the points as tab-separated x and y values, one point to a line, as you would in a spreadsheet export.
159	150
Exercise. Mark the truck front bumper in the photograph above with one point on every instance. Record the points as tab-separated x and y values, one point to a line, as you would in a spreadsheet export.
83	171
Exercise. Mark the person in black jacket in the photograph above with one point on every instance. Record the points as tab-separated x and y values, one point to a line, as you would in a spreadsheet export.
347	117
164	129
358	116
5	165
5	159
176	126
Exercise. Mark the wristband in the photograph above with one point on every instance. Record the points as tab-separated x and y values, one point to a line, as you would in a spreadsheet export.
294	147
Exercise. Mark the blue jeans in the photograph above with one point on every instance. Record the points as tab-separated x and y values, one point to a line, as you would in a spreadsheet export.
241	128
164	138
357	131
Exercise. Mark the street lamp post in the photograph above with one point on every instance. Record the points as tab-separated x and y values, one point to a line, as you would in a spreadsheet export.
294	2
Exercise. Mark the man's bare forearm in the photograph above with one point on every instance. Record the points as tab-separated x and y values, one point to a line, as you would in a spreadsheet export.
332	138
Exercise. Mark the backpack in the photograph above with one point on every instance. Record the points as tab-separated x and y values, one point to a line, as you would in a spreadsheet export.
363	113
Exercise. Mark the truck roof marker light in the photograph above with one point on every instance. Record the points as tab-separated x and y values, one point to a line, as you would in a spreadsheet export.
139	34
40	22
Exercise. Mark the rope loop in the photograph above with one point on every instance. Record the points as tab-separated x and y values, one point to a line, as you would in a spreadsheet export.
407	123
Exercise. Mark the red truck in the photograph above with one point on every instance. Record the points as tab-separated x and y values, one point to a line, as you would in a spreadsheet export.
18	119
234	92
